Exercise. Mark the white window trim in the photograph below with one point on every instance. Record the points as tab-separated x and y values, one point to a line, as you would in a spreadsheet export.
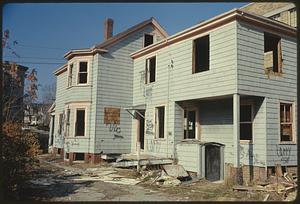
156	136
251	103
294	133
197	123
153	35
88	73
146	72
73	107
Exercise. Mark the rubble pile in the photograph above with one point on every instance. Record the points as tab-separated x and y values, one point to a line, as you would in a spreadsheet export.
284	186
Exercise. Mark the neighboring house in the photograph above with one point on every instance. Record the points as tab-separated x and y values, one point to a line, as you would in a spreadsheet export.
93	89
219	96
36	114
13	90
281	11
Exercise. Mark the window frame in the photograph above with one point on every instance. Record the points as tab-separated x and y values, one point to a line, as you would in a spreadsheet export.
247	122
152	34
85	121
70	75
293	115
197	123
87	72
60	123
156	127
147	72
67	121
194	53
279	55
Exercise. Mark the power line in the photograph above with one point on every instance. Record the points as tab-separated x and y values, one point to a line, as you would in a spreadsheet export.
35	57
39	62
41	47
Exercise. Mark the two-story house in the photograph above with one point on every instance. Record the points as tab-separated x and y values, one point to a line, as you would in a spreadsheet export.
94	88
220	97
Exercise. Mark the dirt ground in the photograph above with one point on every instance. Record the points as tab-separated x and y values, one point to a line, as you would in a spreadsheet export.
52	180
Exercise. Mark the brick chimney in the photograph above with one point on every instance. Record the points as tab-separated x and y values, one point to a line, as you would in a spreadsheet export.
108	28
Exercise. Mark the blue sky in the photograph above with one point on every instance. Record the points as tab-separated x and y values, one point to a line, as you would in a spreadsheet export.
45	32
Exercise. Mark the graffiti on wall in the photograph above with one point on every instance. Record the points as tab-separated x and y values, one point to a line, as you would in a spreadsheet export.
149	127
283	153
115	129
247	154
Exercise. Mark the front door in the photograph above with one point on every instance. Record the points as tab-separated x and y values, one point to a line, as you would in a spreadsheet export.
212	162
141	133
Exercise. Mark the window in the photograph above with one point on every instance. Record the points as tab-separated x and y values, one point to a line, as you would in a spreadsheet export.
293	17
83	73
70	75
80	122
286	122
276	17
272	53
68	122
150	70
78	156
246	122
148	40
60	123
201	54
160	122
189	124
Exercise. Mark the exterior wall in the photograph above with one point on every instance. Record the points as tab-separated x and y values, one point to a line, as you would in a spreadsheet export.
252	80
189	156
180	84
114	89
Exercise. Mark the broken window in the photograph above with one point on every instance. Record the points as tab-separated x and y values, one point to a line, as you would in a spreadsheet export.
82	73
148	40
79	157
286	122
70	75
160	121
80	122
272	53
60	123
189	124
68	122
246	122
150	70
201	54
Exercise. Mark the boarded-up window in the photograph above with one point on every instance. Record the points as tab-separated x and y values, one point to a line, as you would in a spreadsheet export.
82	73
246	122
148	40
78	156
80	122
272	52
160	122
201	54
70	75
111	115
286	122
150	70
189	124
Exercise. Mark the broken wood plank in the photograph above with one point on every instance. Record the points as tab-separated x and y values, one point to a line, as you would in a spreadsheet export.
266	197
278	170
142	162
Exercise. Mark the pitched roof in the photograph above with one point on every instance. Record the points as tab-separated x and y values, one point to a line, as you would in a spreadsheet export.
217	21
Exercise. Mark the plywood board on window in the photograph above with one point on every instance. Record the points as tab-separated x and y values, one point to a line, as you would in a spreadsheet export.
111	115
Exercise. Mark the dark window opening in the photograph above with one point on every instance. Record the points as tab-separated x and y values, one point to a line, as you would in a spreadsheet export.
201	54
189	124
150	70
160	122
80	122
79	157
68	122
286	122
272	52
82	73
67	155
246	122
148	40
60	125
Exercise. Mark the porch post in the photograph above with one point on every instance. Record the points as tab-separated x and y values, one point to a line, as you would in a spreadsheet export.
236	130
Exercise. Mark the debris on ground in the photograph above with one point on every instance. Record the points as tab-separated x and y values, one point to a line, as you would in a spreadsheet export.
176	171
283	184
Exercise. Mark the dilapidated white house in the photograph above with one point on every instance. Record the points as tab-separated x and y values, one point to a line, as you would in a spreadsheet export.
219	98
